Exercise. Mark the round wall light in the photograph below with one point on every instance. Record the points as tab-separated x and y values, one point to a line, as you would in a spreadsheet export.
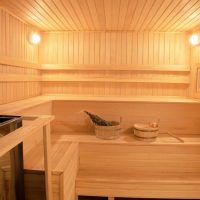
34	38
194	39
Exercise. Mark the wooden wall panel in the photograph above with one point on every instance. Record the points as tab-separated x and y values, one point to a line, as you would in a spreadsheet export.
14	39
111	51
177	118
133	48
17	58
17	90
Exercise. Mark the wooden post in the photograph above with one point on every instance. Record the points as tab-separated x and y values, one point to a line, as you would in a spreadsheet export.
47	161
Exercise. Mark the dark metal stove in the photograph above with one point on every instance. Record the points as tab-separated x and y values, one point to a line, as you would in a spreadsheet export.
11	164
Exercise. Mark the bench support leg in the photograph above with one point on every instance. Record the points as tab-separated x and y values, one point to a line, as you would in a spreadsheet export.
111	198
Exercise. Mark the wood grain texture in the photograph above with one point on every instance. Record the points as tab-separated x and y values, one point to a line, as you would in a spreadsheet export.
162	57
138	171
125	15
175	118
19	75
14	39
64	161
114	48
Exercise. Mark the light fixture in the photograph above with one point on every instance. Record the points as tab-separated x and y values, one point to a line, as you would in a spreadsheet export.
34	38
194	39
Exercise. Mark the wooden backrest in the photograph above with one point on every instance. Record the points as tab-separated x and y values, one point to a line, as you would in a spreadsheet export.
179	118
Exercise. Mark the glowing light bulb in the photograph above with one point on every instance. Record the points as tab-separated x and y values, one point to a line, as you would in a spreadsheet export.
194	39
34	38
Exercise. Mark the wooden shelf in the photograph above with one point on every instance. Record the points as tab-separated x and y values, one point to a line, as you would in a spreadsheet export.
128	139
100	67
18	63
6	77
117	80
18	106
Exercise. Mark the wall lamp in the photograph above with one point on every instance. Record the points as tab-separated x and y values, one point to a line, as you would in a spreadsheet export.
34	38
194	39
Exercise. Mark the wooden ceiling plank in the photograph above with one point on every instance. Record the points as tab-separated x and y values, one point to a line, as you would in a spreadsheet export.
145	13
130	14
166	14
189	15
24	14
137	14
191	24
76	7
72	12
180	14
101	13
45	12
152	12
122	14
93	12
67	18
87	14
158	15
108	14
57	13
32	9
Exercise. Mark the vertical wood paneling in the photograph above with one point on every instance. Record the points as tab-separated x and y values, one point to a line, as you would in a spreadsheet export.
14	46
114	48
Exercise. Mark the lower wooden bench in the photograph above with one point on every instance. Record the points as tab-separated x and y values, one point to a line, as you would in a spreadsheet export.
141	170
64	171
136	185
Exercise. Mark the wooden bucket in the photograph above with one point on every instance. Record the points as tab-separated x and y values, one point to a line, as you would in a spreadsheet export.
108	132
145	133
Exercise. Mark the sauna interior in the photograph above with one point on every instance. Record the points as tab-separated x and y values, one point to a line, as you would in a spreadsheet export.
129	61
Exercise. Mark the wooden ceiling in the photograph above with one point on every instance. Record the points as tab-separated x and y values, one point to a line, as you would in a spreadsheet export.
127	15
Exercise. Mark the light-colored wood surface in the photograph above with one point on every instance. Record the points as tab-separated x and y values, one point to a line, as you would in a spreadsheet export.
107	67
14	42
24	106
174	117
47	161
103	78
115	48
18	83
64	161
19	75
141	59
9	141
126	139
108	15
18	63
7	77
143	170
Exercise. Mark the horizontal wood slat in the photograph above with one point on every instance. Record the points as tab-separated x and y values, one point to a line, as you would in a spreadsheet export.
19	74
182	68
18	63
118	80
19	78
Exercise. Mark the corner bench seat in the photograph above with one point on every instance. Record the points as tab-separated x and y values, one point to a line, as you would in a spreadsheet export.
122	168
